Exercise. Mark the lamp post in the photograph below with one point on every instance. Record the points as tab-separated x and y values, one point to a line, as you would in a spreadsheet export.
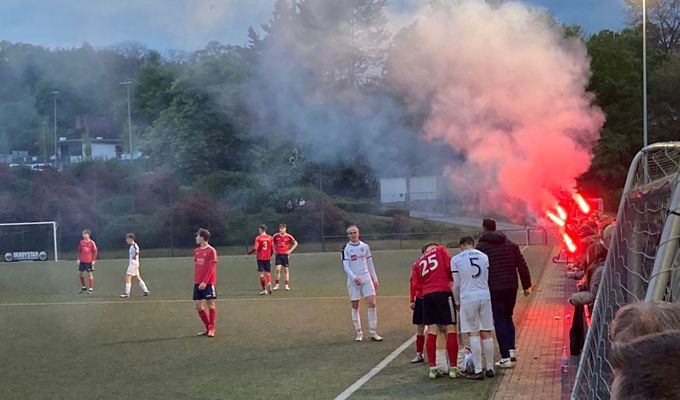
55	93
129	113
645	140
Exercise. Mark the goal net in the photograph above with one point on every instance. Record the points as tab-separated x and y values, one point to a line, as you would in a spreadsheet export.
641	245
28	241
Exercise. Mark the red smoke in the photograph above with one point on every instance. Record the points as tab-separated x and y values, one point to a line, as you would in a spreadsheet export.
502	87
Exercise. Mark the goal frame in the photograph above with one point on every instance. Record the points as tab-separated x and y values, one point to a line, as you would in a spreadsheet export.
54	232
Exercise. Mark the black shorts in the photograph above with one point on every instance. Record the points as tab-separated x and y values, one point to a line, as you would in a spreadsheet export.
264	265
418	312
282	259
208	293
82	267
439	308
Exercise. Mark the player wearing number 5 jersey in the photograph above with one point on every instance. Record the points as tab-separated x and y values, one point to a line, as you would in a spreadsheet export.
362	281
264	246
470	269
433	273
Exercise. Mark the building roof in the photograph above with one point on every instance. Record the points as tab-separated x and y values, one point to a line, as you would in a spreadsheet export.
96	127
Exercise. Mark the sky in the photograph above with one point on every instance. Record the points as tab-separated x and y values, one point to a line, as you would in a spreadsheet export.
190	24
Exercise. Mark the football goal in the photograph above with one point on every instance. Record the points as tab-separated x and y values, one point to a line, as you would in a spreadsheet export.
28	241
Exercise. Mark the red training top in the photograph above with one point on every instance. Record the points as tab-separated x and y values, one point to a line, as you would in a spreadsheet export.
205	263
416	287
87	251
282	242
433	271
264	246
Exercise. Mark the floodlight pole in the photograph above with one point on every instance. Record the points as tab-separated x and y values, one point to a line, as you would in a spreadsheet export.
55	93
645	140
129	113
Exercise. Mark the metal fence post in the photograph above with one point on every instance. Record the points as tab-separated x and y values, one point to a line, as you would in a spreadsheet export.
665	254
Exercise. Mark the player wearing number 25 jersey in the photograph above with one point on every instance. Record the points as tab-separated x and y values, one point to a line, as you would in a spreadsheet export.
433	273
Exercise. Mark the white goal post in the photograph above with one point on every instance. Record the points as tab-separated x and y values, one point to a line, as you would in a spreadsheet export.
54	232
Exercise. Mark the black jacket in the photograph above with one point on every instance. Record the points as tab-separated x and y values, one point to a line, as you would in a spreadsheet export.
505	261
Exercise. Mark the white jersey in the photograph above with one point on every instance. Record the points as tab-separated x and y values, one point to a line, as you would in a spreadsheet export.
133	257
470	270
357	261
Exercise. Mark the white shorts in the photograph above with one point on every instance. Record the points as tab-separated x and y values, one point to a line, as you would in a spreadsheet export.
133	269
356	292
476	316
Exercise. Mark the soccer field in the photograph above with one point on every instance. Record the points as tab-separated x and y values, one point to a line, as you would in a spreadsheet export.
57	344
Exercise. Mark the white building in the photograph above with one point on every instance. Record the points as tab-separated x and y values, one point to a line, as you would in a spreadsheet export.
407	189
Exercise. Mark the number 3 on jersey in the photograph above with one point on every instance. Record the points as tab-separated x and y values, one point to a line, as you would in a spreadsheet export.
430	265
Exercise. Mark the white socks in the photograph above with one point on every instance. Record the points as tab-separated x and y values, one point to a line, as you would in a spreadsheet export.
476	348
442	361
487	344
142	286
356	320
128	286
373	319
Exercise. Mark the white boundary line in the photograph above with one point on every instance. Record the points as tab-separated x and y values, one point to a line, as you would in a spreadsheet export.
84	302
358	384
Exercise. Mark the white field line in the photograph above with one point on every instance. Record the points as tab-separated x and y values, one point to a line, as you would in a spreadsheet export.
124	301
358	384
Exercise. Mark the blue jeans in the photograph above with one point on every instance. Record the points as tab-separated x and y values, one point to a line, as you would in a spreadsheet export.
503	306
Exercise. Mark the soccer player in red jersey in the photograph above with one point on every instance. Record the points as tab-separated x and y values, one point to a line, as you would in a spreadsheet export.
87	258
264	246
282	244
433	274
417	307
205	263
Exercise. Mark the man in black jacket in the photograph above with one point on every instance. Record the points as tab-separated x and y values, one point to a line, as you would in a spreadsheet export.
505	261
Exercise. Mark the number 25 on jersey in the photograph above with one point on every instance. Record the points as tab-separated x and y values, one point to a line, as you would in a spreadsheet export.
429	265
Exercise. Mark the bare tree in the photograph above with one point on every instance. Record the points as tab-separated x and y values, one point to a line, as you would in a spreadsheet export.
663	22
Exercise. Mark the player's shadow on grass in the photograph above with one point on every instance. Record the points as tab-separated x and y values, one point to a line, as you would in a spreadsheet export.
155	340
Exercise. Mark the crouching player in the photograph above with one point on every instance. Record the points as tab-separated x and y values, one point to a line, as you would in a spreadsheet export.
470	270
417	320
362	281
133	268
433	272
205	263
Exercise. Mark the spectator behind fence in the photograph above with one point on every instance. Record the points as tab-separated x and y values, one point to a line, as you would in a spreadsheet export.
505	261
595	260
645	342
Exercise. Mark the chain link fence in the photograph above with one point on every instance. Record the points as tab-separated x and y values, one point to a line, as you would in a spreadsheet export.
640	259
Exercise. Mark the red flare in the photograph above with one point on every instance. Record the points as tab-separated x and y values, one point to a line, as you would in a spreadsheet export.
582	203
554	218
571	246
561	213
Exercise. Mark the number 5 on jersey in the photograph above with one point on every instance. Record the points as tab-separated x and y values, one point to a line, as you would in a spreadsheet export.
430	265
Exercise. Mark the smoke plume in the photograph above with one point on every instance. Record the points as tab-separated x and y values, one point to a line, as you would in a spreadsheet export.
502	86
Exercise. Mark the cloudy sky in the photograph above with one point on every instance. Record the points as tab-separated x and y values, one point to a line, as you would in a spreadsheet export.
190	24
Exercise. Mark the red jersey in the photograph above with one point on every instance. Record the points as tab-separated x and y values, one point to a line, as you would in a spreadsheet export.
264	245
416	287
87	251
282	242
433	271
205	263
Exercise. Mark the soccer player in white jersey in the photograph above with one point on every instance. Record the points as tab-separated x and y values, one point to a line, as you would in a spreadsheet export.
362	281
470	270
133	268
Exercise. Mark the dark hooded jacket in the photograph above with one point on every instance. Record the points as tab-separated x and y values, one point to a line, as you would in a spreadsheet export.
505	261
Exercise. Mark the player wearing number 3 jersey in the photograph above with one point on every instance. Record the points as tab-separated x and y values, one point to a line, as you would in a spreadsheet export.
433	273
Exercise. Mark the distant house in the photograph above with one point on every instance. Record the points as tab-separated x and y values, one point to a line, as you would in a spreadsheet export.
407	189
93	138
